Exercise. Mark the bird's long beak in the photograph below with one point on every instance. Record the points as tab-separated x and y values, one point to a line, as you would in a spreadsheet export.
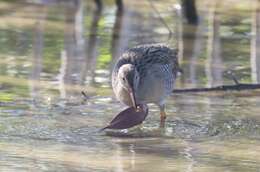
132	95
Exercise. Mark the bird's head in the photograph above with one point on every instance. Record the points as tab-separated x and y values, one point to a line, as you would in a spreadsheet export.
129	79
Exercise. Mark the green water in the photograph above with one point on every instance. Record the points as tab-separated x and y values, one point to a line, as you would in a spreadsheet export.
50	53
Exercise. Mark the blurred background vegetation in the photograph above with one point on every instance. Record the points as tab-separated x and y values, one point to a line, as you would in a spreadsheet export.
67	46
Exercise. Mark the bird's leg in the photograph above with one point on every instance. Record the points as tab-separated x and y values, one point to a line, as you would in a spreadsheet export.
162	115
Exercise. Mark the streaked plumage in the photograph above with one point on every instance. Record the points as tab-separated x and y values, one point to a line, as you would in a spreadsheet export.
150	70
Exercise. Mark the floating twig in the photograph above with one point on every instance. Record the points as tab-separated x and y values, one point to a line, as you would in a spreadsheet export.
85	96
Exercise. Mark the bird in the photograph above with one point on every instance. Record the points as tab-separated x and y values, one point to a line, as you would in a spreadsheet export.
146	74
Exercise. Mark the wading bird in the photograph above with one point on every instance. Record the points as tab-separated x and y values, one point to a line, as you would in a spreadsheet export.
146	74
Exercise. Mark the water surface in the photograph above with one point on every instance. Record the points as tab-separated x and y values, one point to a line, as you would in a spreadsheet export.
52	50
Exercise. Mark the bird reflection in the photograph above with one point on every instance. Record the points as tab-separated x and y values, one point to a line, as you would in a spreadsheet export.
121	153
140	155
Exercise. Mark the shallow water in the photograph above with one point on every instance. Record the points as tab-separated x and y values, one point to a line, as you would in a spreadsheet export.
49	55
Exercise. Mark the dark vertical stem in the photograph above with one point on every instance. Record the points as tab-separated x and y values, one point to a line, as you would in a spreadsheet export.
119	4
116	34
99	4
92	44
190	11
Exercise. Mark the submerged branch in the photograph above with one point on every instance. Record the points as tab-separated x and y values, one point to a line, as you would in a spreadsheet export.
237	87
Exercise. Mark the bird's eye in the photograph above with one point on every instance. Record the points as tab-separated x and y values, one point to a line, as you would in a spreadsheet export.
123	79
